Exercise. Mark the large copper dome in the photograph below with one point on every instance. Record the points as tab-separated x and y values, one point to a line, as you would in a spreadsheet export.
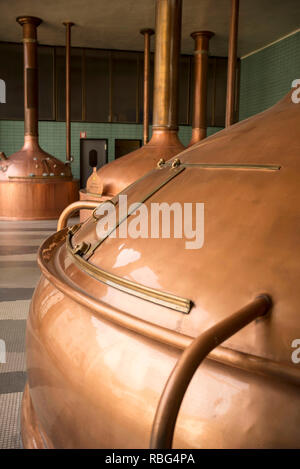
110	316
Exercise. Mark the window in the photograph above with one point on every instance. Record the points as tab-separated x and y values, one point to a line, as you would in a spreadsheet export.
106	86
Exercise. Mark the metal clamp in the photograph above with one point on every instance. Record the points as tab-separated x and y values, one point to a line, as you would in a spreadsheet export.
81	249
181	375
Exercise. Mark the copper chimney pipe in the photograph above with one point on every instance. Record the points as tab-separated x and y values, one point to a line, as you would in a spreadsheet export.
30	24
167	50
68	26
200	78
146	33
232	57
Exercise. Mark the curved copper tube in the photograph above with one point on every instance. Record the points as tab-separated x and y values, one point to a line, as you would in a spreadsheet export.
67	212
179	379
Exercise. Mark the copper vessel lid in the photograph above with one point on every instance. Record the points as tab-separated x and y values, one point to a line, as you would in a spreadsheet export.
31	163
247	176
118	174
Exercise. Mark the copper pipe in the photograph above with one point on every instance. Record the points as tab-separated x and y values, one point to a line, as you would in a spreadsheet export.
167	50
68	26
200	94
147	33
179	379
30	24
72	208
232	57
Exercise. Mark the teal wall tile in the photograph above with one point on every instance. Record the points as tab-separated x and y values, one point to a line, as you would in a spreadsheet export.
267	75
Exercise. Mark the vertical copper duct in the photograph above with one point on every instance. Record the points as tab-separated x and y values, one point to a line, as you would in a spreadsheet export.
68	26
200	79
167	50
232	57
30	24
146	33
164	143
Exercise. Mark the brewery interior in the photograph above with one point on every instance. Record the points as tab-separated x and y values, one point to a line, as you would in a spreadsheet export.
96	95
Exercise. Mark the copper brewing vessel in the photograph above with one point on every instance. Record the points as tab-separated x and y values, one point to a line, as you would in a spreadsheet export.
164	142
111	317
33	184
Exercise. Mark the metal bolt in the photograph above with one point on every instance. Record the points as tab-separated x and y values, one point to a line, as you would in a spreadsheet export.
176	163
161	163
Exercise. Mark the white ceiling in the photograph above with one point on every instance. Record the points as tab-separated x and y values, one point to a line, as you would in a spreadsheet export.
115	24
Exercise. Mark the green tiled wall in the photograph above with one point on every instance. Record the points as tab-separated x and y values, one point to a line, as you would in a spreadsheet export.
53	137
267	75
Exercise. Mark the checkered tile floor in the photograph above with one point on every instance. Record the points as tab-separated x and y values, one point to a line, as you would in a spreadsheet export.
19	273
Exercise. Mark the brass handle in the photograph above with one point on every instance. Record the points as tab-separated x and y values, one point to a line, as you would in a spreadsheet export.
181	375
67	212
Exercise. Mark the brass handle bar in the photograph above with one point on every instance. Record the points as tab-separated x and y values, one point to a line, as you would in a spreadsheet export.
181	375
133	288
67	212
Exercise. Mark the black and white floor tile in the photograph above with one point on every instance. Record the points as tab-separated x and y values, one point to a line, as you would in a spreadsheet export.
19	273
